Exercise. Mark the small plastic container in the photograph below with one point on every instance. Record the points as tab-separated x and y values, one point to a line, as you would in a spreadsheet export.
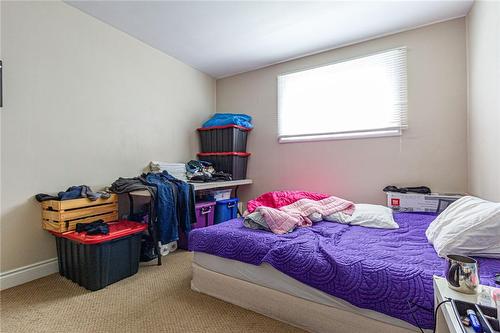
226	210
221	194
227	138
204	218
234	163
96	261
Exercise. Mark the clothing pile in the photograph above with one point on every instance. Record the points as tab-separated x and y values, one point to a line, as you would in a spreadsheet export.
177	170
416	189
281	212
74	192
173	200
94	228
224	119
202	171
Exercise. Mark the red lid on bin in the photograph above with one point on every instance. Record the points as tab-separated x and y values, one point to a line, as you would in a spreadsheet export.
230	153
225	126
116	230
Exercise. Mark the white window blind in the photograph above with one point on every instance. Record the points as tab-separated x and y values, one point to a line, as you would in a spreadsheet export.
360	97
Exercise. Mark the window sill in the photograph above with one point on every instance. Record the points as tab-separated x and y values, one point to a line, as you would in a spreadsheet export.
340	136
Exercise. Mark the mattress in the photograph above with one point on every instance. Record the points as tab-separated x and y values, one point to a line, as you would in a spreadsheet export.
388	271
266	276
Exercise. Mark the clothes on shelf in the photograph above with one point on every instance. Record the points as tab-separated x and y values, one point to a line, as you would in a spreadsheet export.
74	192
127	185
202	171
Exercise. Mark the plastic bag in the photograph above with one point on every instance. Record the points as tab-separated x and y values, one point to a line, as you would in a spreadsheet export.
223	119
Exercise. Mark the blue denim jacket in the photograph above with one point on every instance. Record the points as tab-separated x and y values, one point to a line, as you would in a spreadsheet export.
174	205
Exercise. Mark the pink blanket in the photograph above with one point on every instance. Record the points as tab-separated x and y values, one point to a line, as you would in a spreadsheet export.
286	218
278	199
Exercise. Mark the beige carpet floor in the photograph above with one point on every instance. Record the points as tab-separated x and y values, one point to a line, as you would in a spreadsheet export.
157	299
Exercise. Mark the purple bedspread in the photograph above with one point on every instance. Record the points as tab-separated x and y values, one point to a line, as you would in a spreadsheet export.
377	269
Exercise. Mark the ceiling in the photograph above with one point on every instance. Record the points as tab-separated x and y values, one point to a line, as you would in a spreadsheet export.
222	38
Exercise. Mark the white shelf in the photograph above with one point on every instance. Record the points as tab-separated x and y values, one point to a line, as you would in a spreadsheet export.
204	186
213	185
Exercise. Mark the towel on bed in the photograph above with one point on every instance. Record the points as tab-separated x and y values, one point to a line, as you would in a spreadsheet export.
256	221
285	219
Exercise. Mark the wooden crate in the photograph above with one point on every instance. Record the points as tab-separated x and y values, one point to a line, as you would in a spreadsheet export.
62	216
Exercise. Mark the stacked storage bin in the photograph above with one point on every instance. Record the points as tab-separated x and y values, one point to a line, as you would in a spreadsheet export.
96	261
225	147
226	210
204	218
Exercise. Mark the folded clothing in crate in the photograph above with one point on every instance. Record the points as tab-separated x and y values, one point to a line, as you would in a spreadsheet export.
64	215
95	261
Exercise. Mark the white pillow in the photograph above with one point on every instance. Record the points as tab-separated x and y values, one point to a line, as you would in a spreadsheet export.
365	215
335	217
469	226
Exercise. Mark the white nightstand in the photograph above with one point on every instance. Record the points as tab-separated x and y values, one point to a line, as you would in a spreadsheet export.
446	319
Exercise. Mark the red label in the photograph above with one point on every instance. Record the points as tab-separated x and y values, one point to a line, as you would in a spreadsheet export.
394	202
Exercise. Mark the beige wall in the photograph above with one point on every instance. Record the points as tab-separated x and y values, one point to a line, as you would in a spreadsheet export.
483	55
431	152
84	104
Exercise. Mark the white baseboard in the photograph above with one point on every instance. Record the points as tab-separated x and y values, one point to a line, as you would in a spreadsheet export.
28	273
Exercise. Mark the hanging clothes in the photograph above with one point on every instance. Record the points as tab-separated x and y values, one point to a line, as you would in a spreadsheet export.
175	205
174	202
185	202
166	208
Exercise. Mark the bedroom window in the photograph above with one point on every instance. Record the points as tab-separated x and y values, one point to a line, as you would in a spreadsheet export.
356	98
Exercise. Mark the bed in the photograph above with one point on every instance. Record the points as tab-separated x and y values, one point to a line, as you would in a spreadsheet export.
328	276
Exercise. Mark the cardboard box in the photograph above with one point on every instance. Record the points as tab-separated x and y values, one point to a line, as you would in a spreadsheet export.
414	202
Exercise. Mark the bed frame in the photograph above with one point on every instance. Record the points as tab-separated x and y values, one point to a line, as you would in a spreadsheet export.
302	313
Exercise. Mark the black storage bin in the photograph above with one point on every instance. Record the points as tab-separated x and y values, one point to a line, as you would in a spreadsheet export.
230	138
95	261
234	163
